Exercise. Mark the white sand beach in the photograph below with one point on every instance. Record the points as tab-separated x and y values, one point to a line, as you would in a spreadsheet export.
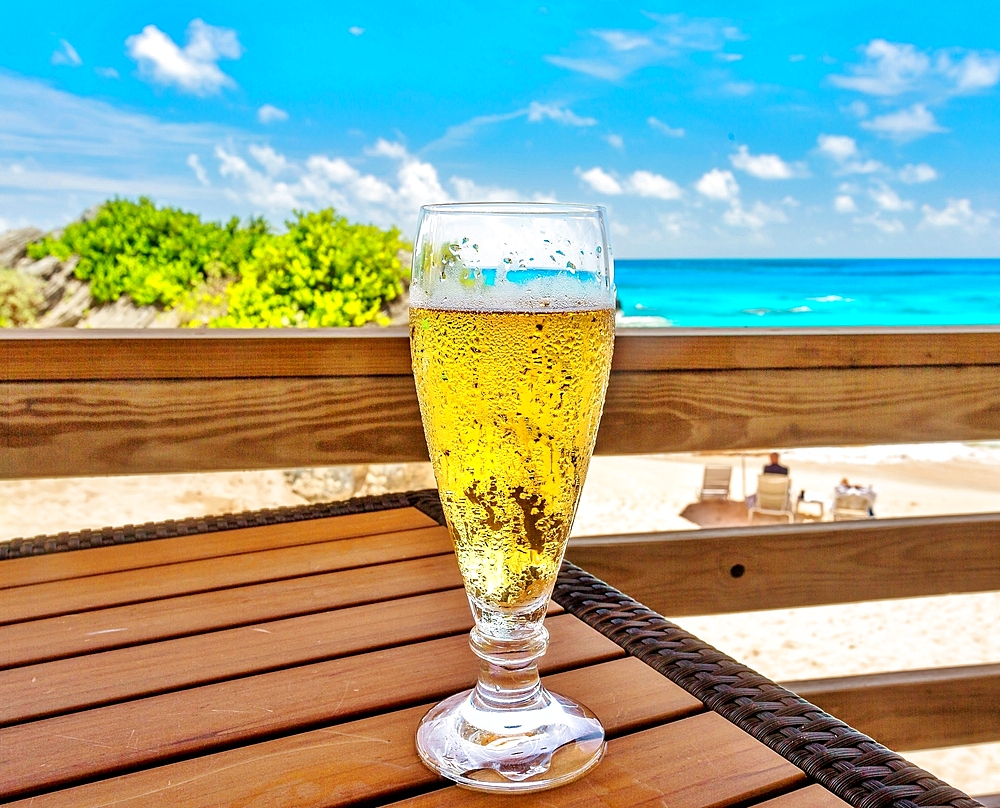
648	493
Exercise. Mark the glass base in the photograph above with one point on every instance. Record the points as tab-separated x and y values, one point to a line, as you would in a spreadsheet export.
546	743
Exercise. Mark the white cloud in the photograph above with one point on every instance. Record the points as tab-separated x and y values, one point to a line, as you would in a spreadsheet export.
616	141
797	57
887	226
973	73
355	30
765	166
193	68
859	109
915	174
660	126
325	180
957	213
755	218
893	68
600	181
740	88
648	184
66	54
906	124
728	57
623	40
887	199
839	147
106	72
556	112
467	190
717	184
387	148
844	203
270	113
199	170
613	54
862	167
589	67
272	162
890	69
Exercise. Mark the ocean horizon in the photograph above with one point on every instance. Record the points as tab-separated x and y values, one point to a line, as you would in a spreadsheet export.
788	292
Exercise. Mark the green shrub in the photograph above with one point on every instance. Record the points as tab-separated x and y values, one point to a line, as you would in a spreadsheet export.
154	255
20	298
322	272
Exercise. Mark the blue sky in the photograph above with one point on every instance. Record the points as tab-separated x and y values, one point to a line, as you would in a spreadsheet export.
708	129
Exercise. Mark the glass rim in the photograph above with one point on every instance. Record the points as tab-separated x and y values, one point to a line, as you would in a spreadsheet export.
516	208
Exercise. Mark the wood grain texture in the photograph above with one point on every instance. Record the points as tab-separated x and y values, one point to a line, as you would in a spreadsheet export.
711	763
187	577
103	629
97	560
77	746
814	796
369	759
923	709
135	354
108	427
802	565
77	683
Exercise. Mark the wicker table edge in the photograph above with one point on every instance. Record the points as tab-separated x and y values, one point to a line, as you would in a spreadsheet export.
848	763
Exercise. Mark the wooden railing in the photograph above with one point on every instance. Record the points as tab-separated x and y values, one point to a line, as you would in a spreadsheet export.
146	401
76	403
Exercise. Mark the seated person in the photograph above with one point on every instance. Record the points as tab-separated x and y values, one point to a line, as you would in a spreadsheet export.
774	467
845	488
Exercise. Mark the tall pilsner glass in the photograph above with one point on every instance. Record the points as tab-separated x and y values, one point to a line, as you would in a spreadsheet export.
511	333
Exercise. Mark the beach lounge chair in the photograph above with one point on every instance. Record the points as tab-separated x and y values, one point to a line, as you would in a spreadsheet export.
851	506
773	497
715	483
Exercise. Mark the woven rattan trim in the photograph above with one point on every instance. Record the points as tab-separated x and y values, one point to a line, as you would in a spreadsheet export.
845	761
425	501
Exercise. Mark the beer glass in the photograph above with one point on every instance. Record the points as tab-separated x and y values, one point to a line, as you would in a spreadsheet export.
511	335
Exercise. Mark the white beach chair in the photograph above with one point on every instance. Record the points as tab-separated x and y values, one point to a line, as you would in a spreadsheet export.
847	507
773	497
715	483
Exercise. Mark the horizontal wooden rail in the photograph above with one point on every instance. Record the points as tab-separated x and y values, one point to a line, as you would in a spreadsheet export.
911	710
922	709
67	355
140	402
771	567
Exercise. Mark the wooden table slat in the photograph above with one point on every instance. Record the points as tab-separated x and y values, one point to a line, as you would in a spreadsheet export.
372	758
119	626
78	683
711	764
94	561
132	586
81	745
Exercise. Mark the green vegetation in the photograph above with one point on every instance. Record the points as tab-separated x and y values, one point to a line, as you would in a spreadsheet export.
20	298
323	272
156	256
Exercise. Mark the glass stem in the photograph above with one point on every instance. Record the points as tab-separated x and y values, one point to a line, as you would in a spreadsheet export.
508	677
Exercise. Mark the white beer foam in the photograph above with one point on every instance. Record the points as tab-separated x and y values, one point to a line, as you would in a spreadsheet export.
558	292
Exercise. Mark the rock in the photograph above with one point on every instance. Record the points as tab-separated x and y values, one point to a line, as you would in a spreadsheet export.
43	268
329	484
123	313
69	307
14	242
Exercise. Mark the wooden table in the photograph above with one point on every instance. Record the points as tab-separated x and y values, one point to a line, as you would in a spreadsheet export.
285	659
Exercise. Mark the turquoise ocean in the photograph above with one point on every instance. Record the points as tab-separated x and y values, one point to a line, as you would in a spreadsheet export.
726	293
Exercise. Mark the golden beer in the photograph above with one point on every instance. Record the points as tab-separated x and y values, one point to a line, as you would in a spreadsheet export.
510	403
